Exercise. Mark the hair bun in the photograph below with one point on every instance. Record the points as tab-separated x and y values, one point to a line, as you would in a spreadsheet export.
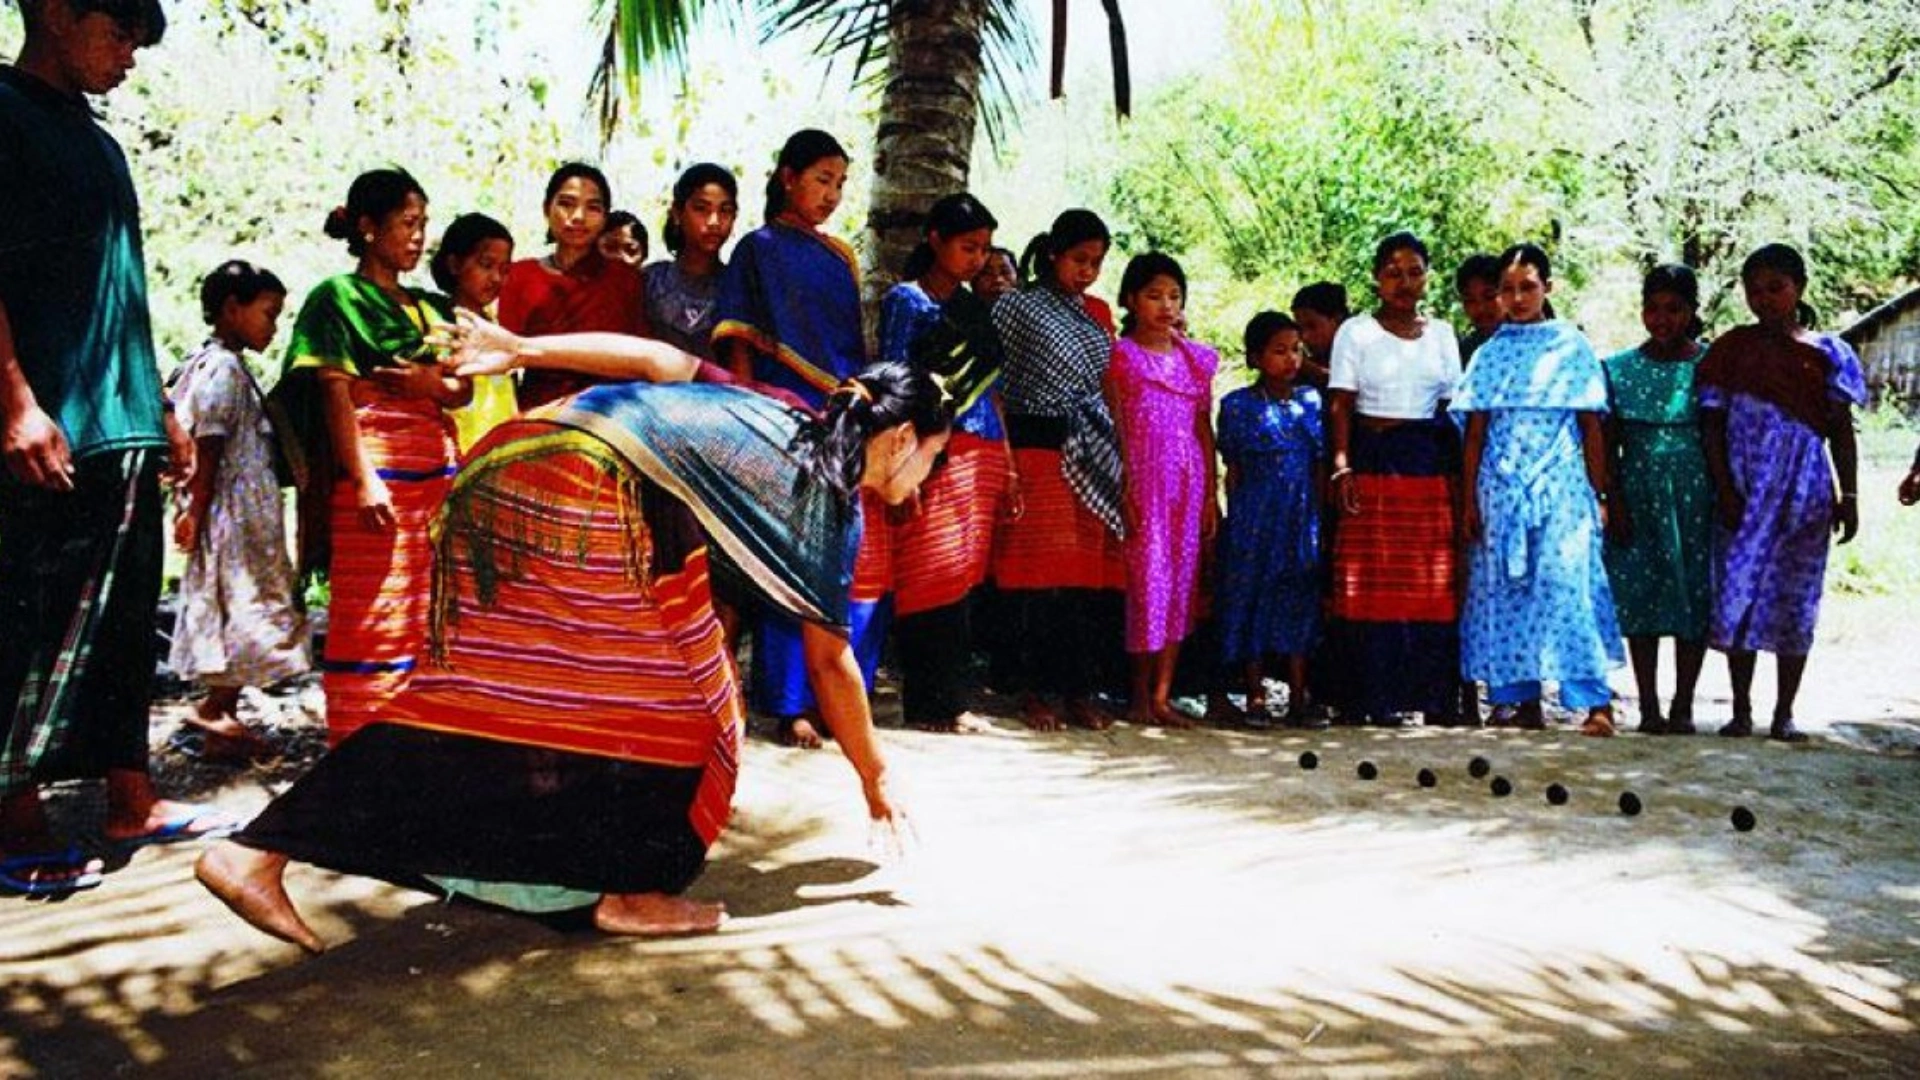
337	226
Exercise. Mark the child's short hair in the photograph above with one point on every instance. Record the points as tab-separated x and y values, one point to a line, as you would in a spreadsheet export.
1261	330
467	232
235	280
1478	267
1328	298
144	20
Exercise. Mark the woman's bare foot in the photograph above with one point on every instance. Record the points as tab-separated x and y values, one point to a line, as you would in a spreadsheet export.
1222	713
655	914
1038	715
1167	716
227	741
799	732
1084	713
248	881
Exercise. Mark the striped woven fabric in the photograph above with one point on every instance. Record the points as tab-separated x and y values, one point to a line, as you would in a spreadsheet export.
377	618
1057	543
944	551
581	644
873	566
1395	561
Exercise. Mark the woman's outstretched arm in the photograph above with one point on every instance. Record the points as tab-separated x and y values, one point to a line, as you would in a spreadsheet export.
485	348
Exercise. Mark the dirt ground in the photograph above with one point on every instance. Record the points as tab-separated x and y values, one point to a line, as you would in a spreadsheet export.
1134	903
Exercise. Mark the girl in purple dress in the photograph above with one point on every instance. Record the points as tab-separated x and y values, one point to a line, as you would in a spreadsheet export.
1159	388
1776	400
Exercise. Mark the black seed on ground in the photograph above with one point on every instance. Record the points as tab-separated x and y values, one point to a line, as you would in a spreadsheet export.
1557	794
1479	767
1502	787
1367	770
1309	760
1629	804
1426	778
1743	819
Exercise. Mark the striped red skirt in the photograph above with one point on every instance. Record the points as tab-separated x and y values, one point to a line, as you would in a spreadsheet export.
943	552
379	581
578	647
1055	543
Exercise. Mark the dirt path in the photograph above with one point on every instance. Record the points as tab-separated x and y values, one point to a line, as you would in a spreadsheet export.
1129	904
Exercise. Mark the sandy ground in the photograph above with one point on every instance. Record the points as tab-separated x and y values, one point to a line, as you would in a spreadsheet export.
1135	903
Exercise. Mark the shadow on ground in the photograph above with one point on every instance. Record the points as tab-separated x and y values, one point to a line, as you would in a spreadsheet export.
1132	904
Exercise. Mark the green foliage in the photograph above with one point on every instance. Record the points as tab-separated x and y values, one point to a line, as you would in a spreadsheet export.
1289	163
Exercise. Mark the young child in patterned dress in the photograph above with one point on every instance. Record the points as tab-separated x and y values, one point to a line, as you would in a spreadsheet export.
1272	436
239	625
1159	389
1660	513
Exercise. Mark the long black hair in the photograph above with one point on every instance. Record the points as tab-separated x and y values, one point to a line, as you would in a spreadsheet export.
372	196
1261	329
1786	261
467	232
1141	270
802	149
833	447
1524	254
575	170
1673	279
1324	298
692	180
953	215
1071	228
1392	245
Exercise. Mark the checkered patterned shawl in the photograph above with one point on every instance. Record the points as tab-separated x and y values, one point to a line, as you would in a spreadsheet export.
1057	356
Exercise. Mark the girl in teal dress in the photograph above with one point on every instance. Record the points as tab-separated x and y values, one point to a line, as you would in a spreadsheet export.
1659	521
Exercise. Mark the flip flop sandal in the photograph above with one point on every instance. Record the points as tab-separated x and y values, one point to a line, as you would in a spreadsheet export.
50	873
181	827
1598	726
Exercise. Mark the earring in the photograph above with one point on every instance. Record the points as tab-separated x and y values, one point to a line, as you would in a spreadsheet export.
368	238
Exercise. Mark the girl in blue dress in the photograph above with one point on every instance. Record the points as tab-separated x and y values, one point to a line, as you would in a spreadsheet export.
1273	440
1538	604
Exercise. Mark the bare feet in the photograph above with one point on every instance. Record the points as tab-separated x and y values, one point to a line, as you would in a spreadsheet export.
1599	723
799	732
1167	716
1084	713
227	741
1036	714
655	914
248	881
966	723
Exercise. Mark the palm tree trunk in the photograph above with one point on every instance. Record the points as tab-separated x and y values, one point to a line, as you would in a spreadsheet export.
924	143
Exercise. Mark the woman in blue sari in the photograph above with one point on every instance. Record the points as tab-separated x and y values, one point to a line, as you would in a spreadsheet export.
789	324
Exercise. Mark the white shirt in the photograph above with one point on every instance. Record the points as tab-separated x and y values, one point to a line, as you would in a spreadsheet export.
1391	377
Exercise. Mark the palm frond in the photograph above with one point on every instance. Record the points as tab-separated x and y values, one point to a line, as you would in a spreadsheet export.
641	34
856	31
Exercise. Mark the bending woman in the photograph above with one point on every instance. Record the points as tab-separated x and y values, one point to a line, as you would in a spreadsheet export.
580	725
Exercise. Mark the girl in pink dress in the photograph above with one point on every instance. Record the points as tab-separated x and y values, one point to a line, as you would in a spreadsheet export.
1160	390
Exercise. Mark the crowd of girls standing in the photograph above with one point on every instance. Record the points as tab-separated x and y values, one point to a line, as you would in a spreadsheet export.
1401	528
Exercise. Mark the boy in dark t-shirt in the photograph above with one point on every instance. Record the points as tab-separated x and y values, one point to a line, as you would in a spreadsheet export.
85	438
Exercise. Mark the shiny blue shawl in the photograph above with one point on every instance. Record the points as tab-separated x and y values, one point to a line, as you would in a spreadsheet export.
729	455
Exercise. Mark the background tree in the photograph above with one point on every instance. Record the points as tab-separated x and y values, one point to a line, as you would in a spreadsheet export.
942	66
